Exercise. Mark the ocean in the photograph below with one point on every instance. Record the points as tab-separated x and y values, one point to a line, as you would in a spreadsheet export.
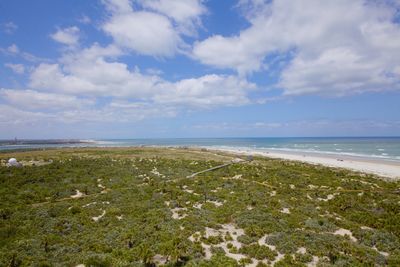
370	147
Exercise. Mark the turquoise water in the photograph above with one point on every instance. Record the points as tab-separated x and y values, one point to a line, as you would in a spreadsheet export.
373	147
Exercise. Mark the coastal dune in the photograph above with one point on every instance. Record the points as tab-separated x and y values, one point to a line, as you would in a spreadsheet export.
383	168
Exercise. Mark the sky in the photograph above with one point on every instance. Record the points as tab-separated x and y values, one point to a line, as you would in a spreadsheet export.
106	69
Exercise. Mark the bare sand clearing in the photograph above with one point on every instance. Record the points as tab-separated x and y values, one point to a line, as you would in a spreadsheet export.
345	232
383	168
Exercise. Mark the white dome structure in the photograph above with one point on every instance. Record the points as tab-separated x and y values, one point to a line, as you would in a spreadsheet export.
13	162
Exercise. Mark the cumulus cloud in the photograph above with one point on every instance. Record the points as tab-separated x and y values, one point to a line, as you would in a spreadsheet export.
186	14
92	72
17	68
206	91
144	32
339	47
156	29
67	36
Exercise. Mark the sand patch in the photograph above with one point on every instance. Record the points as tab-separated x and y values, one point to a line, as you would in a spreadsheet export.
177	213
328	197
226	229
345	232
216	203
35	162
160	259
385	254
97	218
78	194
278	258
314	262
89	204
198	205
156	172
262	242
272	194
285	210
101	186
366	228
188	191
365	183
237	160
301	250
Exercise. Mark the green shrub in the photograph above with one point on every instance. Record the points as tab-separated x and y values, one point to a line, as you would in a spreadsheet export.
258	252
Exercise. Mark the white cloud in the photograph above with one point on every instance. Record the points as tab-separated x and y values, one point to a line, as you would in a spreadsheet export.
33	100
144	32
68	36
206	91
90	72
11	116
118	6
84	19
24	107
13	49
9	27
339	47
156	28
186	14
17	68
98	78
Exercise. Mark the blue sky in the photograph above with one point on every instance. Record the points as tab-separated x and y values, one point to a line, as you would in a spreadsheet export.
193	68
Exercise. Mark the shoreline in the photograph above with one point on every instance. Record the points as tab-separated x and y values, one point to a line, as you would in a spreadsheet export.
380	167
383	168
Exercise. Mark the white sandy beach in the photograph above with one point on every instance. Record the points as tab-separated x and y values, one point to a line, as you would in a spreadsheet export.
383	168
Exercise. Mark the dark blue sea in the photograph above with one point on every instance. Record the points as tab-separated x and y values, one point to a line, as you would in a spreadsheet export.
371	147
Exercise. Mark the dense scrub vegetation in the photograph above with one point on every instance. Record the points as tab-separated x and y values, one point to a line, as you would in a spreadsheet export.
126	213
